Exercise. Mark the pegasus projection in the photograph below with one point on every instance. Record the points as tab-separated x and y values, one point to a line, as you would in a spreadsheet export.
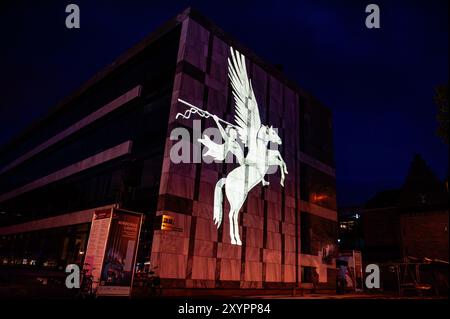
254	137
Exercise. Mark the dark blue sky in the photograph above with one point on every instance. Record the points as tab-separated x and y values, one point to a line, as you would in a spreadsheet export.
379	83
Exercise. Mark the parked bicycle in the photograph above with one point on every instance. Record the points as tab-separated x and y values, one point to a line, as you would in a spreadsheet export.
87	289
153	282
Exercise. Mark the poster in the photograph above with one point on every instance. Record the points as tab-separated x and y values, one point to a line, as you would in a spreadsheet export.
118	264
95	250
357	259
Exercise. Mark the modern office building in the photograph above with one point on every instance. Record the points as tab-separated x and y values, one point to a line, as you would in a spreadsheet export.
350	235
108	145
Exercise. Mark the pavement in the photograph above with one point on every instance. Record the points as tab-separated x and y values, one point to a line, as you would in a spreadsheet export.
30	287
17	291
354	296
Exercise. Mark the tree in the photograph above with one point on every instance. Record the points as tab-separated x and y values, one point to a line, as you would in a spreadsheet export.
441	100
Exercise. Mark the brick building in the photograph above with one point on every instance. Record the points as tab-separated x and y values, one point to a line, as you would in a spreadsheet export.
410	221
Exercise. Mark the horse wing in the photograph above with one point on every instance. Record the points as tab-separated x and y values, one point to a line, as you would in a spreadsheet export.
247	114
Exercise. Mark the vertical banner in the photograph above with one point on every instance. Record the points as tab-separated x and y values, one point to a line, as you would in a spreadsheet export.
120	254
357	259
95	250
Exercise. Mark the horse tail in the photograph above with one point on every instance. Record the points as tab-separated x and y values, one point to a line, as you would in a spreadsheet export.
218	197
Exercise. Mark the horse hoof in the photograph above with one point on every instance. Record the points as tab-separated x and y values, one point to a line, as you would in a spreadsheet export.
238	242
233	242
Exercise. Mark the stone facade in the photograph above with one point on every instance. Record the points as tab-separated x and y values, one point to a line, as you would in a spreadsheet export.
201	255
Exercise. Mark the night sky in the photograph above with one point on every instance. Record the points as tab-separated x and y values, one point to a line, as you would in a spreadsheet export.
378	82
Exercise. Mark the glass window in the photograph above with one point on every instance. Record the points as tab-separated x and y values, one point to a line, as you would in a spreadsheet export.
308	274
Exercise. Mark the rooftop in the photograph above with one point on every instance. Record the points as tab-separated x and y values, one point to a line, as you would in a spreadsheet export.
130	53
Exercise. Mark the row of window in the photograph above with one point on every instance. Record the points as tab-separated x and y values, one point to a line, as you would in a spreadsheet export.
50	248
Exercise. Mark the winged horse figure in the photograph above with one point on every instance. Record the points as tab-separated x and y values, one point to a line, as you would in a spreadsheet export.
253	135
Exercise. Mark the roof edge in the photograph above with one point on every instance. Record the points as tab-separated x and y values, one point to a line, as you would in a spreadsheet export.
97	77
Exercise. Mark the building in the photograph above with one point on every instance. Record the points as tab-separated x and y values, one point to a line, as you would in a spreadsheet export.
410	221
396	223
400	229
108	145
350	235
381	227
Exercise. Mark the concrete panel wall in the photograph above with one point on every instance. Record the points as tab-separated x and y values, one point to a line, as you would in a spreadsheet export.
201	255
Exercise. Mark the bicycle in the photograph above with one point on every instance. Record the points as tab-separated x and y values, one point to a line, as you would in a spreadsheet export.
87	280
153	282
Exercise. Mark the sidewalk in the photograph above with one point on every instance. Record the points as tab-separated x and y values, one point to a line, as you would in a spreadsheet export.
349	296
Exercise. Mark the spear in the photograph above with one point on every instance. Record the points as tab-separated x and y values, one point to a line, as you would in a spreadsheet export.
194	109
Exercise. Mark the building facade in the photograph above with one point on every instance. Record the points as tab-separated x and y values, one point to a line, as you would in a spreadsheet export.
408	222
109	145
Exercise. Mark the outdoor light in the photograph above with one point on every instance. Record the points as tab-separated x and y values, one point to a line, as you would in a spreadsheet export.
319	197
357	216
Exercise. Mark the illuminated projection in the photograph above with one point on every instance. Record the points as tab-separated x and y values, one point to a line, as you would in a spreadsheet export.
254	136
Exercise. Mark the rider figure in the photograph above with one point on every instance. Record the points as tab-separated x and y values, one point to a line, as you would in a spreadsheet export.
231	144
229	134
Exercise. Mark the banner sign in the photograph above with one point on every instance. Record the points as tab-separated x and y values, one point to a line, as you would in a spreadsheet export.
95	250
357	258
118	264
